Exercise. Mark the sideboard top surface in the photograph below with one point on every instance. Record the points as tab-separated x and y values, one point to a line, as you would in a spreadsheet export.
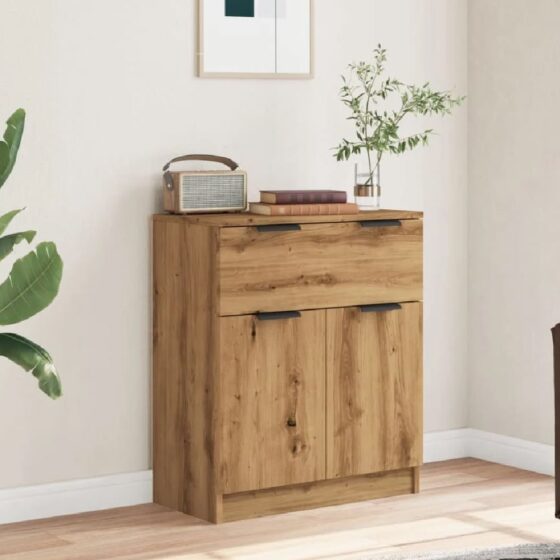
247	219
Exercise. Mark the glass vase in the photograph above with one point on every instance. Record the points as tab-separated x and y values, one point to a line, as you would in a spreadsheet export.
367	188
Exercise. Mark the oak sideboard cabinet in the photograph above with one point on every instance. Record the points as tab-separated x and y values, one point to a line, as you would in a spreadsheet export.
287	361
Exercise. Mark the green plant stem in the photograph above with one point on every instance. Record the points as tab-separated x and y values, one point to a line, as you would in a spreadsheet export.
377	130
365	121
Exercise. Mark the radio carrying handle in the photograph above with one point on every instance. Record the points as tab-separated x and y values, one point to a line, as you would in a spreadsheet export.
195	157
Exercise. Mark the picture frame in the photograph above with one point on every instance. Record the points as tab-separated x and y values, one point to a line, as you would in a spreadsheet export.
268	39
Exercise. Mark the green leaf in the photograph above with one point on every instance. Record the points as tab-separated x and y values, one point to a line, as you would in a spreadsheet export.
7	218
8	242
372	100
32	284
31	357
10	146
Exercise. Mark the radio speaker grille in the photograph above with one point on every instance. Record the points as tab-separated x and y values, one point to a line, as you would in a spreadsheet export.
212	191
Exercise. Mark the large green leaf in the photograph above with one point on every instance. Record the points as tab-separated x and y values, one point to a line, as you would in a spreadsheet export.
7	218
10	146
32	284
8	242
31	357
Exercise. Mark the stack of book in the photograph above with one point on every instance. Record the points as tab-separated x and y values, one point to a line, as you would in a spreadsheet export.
303	203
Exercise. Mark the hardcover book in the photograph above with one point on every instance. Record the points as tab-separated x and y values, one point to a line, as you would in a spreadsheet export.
303	197
330	209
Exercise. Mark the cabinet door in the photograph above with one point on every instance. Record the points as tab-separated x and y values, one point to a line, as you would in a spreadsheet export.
272	400
374	389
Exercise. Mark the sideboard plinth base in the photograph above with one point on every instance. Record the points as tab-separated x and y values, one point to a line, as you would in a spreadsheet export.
270	501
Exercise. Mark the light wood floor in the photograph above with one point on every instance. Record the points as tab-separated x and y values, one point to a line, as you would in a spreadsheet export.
463	504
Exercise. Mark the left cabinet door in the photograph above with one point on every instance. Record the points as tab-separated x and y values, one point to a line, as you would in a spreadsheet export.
271	428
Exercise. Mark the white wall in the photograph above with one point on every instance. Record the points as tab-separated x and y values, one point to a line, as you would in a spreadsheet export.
110	92
514	208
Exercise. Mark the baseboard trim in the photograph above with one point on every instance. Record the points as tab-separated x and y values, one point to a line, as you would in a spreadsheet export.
496	448
129	489
443	446
75	496
519	453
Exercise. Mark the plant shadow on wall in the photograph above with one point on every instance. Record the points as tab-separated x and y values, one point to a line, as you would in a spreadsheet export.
33	281
379	106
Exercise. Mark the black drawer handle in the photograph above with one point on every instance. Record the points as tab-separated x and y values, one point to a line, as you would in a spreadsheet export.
277	315
279	227
380	223
378	307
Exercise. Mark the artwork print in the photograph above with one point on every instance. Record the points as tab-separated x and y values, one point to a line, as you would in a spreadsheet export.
255	38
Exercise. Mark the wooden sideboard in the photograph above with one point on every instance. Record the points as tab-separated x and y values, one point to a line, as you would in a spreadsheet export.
287	361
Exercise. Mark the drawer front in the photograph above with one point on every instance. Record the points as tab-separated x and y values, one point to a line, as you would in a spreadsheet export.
272	395
319	265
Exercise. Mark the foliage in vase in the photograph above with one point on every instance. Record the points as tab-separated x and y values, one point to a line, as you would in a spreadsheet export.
33	282
379	105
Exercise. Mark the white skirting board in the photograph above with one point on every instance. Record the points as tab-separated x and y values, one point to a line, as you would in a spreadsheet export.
75	496
93	494
496	448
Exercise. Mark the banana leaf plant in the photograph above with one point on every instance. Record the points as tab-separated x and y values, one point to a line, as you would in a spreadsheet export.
33	281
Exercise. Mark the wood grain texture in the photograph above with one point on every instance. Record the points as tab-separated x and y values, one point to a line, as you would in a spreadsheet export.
171	198
374	390
185	353
168	378
243	405
245	219
322	265
416	480
272	394
319	494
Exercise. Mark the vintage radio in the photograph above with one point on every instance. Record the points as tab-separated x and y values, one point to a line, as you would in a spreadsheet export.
204	191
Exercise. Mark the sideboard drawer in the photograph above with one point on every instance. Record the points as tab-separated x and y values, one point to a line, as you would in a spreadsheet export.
319	265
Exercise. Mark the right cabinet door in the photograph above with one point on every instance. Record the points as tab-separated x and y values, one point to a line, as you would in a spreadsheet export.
374	389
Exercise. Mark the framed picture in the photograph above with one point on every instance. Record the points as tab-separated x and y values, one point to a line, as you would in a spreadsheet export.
255	38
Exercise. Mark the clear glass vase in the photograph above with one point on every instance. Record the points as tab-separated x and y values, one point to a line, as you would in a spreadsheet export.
367	188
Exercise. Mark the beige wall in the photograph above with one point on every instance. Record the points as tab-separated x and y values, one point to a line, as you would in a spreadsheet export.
111	95
514	209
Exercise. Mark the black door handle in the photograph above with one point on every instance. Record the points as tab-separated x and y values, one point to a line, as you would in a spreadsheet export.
380	223
378	307
277	315
279	227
